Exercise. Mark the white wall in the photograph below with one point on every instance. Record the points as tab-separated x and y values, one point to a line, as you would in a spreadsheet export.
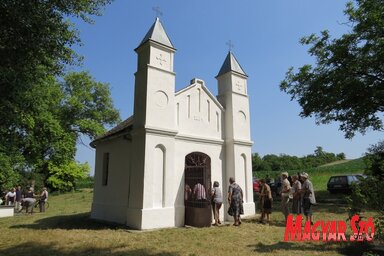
198	113
110	201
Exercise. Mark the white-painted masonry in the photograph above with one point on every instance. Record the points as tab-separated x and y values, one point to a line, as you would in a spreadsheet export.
143	185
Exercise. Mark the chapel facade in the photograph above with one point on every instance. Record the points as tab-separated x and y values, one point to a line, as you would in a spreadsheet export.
147	166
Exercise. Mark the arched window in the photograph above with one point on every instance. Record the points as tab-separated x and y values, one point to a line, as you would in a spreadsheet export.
159	172
244	172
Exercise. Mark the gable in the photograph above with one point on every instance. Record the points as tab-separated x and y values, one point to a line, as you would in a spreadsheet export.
198	112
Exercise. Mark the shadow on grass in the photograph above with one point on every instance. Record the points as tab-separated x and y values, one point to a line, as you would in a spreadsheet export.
273	222
53	249
331	208
68	222
323	196
356	249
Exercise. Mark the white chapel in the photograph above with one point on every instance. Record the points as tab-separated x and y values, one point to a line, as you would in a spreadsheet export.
174	140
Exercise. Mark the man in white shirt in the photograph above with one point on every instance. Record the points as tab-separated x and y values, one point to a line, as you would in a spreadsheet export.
10	197
199	192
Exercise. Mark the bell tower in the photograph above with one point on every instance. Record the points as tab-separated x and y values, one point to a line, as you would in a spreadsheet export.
153	135
232	94
155	80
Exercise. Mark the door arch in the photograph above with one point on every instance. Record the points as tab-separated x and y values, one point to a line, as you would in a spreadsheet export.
197	183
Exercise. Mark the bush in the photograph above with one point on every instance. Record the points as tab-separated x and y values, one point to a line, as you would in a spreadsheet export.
85	182
368	194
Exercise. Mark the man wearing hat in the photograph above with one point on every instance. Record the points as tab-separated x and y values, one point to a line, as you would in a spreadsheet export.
285	190
308	196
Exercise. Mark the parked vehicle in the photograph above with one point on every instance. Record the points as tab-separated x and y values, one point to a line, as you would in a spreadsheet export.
275	189
341	183
361	176
256	185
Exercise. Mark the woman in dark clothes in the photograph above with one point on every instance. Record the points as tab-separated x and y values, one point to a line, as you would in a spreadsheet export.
235	200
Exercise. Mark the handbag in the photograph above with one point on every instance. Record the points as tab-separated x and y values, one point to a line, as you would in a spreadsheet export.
230	211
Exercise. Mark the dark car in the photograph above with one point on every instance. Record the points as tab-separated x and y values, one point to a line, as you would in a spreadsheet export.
341	183
361	176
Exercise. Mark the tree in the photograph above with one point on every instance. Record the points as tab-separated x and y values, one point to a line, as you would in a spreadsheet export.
44	112
273	162
374	160
64	177
290	162
340	156
59	114
319	152
35	40
347	83
256	162
368	194
286	162
8	177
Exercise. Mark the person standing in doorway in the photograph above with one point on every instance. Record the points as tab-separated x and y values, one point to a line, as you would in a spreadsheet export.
43	199
187	192
199	192
235	200
217	201
285	191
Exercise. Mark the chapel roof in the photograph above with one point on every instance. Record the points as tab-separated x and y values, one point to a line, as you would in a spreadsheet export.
231	64
118	129
157	34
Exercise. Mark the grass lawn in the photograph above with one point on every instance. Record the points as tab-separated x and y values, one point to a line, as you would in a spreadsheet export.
66	230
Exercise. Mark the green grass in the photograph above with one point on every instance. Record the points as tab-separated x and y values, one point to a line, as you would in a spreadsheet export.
66	230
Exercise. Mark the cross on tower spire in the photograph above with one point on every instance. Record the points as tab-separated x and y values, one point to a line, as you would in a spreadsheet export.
156	9
230	45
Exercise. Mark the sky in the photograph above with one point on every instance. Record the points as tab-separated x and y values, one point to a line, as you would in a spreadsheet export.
265	34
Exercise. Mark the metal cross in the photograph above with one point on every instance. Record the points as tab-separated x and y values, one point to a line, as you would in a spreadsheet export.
157	11
230	45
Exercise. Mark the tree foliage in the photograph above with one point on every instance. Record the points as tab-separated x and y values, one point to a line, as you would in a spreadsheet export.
374	159
57	114
282	162
44	110
36	38
8	177
368	194
64	177
347	82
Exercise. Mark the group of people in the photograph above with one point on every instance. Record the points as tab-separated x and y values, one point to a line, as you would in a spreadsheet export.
298	189
235	199
235	202
15	197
